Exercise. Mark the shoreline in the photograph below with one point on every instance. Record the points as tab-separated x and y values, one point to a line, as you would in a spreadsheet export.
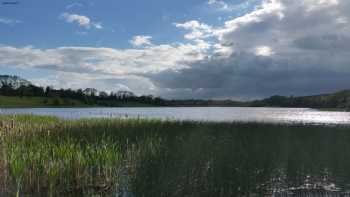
194	106
295	124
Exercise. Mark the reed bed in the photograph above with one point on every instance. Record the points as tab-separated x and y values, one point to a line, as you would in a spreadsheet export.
47	156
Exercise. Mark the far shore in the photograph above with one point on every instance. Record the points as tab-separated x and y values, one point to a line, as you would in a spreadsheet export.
135	106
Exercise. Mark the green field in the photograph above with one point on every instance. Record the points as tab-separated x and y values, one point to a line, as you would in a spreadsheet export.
28	102
47	156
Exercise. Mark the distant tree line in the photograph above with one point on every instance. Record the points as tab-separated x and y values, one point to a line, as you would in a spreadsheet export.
93	97
61	95
337	100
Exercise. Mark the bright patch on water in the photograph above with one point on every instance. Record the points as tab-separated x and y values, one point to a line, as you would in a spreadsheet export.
214	114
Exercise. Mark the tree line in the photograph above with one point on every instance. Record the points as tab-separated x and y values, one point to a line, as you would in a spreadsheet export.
61	95
337	100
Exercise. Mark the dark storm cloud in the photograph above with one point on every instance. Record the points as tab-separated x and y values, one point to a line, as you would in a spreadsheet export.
247	76
284	47
329	42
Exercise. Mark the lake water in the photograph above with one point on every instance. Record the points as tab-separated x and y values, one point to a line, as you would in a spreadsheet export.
214	114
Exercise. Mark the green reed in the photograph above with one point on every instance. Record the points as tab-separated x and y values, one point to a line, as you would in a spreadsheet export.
47	156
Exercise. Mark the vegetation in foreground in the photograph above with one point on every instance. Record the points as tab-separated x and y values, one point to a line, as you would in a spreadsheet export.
47	156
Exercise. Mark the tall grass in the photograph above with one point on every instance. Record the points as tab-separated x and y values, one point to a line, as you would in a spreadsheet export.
47	156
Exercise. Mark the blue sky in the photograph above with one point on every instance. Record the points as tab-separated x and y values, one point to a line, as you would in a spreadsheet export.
239	49
41	26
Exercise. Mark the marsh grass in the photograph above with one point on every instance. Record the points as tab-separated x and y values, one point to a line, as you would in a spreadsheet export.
47	156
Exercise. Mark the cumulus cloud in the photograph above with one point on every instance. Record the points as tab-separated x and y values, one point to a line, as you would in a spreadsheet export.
107	69
138	41
104	60
283	47
197	30
81	20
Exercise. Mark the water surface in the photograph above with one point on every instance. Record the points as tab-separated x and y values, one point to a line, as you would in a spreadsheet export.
214	114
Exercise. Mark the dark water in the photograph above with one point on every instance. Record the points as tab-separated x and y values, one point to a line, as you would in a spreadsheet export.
249	160
216	114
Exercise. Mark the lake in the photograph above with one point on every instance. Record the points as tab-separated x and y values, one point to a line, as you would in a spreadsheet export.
213	114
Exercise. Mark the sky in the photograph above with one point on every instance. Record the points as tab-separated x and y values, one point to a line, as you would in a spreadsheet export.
202	49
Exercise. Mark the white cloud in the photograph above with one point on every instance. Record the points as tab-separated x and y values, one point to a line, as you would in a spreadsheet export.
279	24
8	21
197	30
222	4
138	41
233	6
283	47
81	20
269	10
263	51
202	44
98	25
319	4
105	60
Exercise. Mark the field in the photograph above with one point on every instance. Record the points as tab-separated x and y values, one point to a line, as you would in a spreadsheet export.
47	156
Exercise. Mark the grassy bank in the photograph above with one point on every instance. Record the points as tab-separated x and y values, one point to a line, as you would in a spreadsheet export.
29	102
46	156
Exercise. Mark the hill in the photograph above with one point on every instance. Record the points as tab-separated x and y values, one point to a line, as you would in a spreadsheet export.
338	100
